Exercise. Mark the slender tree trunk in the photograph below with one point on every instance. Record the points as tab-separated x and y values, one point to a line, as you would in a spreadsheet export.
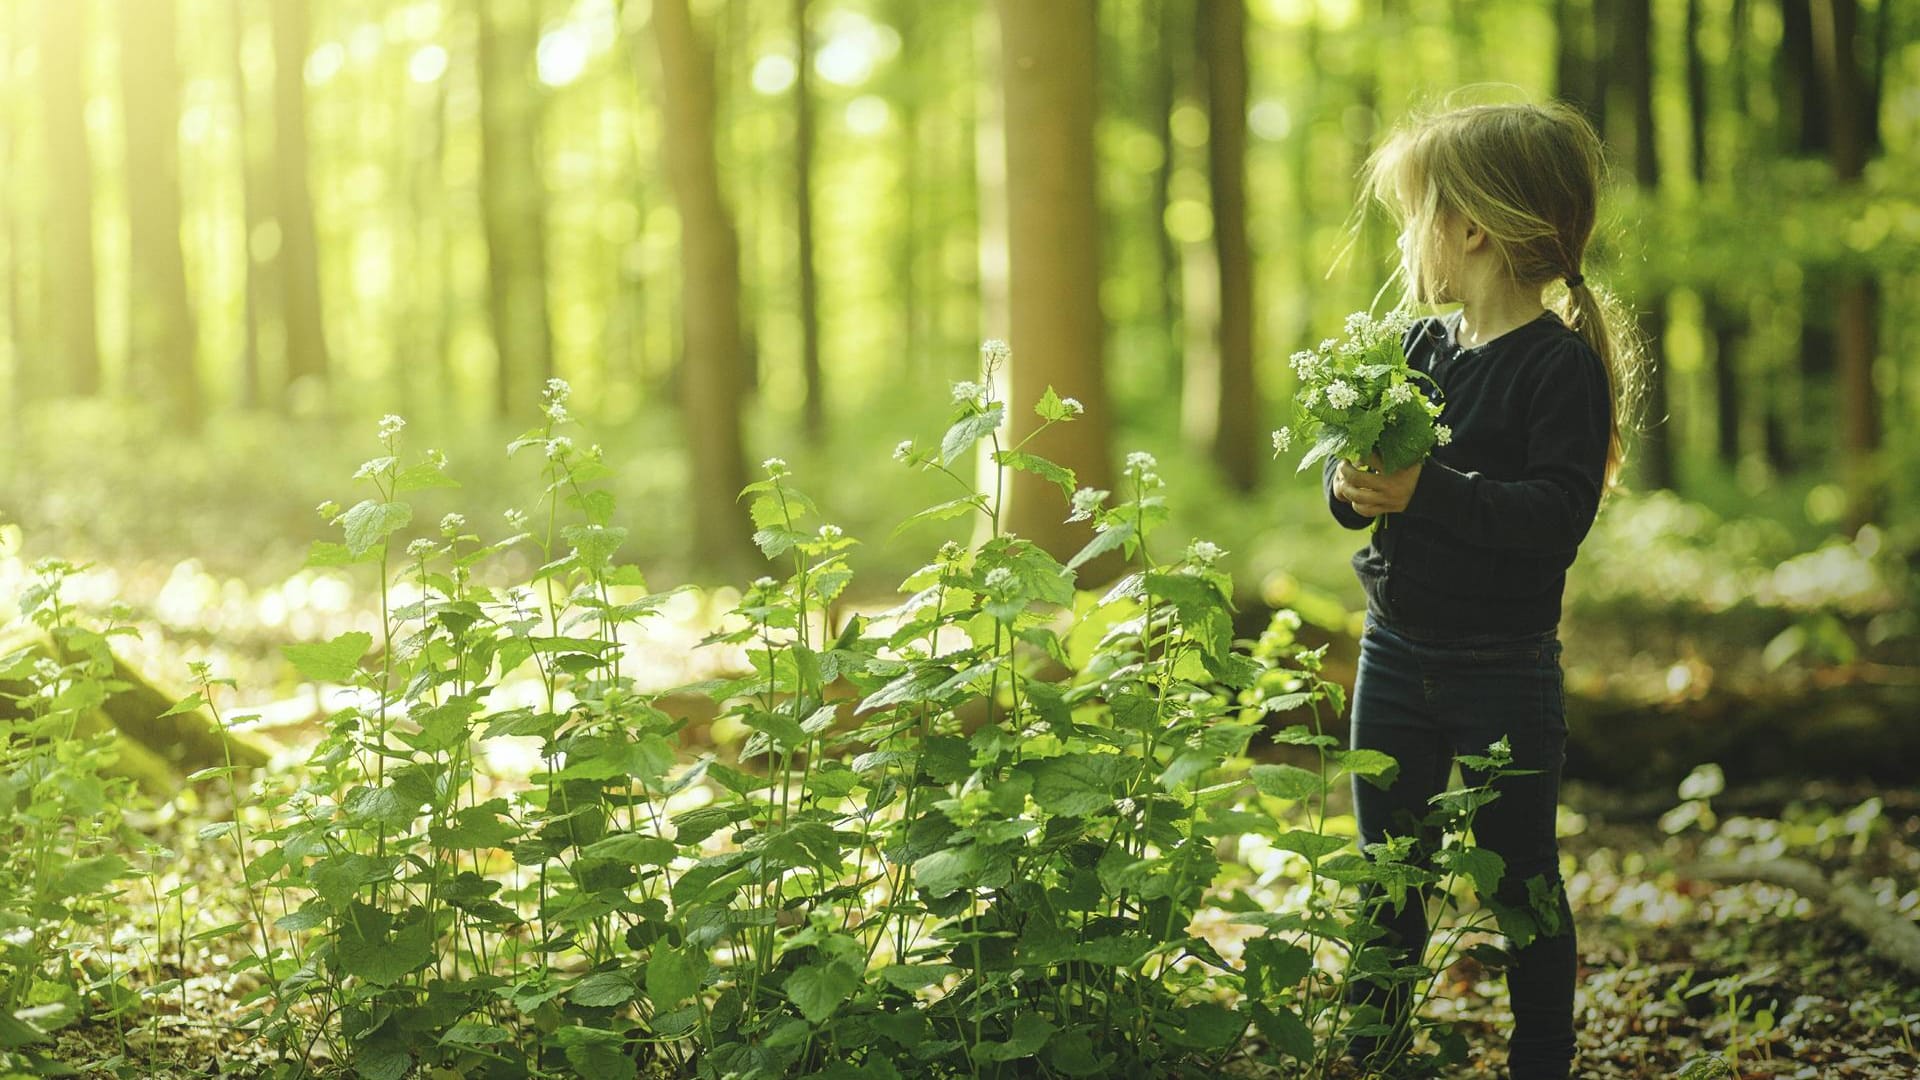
1576	70
814	413
1047	57
160	323
1633	63
72	355
299	258
711	372
513	205
1223	49
1161	30
1856	294
253	215
11	157
1722	326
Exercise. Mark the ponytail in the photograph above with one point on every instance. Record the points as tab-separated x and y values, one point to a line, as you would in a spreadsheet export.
1605	325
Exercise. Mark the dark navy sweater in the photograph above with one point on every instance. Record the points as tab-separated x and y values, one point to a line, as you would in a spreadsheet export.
1483	547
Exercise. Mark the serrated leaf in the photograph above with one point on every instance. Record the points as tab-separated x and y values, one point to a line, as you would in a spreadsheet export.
968	430
603	989
329	661
1103	541
370	522
818	989
1286	781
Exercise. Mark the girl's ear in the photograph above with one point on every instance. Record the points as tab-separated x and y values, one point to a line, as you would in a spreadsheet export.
1476	237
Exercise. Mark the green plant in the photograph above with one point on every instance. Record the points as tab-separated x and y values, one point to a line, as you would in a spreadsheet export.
966	836
58	861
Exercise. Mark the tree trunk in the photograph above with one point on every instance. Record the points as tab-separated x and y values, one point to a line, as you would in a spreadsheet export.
814	409
711	366
160	323
298	264
1222	41
1633	61
69	333
1047	63
513	204
253	216
1160	30
1857	297
1577	77
1721	324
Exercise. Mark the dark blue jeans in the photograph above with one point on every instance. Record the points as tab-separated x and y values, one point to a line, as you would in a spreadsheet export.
1422	701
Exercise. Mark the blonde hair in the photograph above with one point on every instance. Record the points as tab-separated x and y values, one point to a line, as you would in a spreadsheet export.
1530	176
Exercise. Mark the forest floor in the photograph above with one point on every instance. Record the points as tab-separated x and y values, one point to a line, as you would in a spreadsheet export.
1672	967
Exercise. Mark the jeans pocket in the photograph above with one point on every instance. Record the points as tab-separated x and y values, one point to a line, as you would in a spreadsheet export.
1526	654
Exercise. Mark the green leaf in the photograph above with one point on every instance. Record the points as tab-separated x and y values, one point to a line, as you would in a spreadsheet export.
1075	785
370	522
1313	845
86	876
1103	541
1050	407
1039	466
949	870
952	508
474	1033
603	989
1286	781
425	475
818	989
1373	766
1030	1032
1332	442
672	976
1285	1030
596	1053
330	661
186	705
968	430
1481	865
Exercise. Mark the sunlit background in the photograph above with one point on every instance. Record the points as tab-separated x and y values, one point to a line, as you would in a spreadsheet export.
237	233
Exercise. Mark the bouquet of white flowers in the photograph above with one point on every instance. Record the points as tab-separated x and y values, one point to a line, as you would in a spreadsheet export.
1357	399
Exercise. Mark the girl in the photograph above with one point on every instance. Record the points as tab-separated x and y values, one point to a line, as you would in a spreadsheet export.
1463	585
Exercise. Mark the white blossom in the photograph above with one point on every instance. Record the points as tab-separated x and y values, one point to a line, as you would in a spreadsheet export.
452	523
390	425
557	412
1073	406
764	582
420	548
559	446
1140	460
998	578
1340	395
1086	501
1399	393
830	532
328	509
1282	439
968	390
903	450
1205	552
1442	434
994	352
774	466
1310	398
516	519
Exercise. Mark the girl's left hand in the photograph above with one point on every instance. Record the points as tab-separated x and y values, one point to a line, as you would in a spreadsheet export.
1376	493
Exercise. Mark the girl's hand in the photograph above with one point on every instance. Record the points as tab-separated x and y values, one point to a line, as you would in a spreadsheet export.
1375	493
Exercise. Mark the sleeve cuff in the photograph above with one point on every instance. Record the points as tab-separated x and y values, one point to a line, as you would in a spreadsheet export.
1440	492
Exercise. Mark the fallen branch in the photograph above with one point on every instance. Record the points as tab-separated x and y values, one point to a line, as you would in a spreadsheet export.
1889	935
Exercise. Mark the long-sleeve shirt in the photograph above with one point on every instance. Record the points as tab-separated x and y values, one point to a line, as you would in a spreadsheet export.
1498	514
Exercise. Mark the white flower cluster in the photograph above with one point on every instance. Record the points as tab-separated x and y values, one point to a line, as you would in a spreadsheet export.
452	523
1282	440
1140	461
968	390
994	353
1442	434
1086	501
904	450
516	520
556	396
1073	406
1204	552
421	548
775	466
559	447
1399	393
830	532
998	579
390	425
1308	365
1340	394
